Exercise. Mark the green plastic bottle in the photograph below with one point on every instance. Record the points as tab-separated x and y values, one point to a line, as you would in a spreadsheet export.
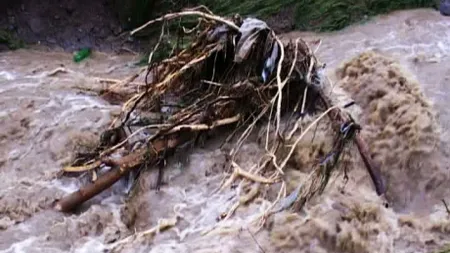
82	54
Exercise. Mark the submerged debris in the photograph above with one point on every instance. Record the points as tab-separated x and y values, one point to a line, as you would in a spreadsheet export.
234	74
81	54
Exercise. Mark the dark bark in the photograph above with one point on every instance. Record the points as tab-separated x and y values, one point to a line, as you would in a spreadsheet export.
121	167
338	118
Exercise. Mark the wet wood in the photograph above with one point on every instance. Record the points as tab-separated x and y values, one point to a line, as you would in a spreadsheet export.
150	155
120	168
338	118
372	168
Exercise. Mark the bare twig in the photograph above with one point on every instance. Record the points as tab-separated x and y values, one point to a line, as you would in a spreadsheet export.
200	7
240	172
150	56
446	206
212	83
318	46
112	149
254	239
286	159
82	168
203	127
187	13
374	171
279	83
58	70
138	97
162	225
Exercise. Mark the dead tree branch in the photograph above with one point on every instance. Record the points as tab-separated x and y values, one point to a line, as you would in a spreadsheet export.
338	118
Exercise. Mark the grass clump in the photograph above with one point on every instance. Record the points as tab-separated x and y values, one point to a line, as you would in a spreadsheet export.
317	15
258	8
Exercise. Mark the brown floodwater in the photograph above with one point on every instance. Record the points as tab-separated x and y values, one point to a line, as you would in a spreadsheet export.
46	112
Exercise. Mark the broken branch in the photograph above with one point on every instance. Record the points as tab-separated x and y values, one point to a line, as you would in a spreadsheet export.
124	165
338	118
187	13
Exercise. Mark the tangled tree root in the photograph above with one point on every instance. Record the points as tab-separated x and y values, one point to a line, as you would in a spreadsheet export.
234	73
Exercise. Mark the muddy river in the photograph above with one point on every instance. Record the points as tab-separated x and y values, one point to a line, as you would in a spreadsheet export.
46	111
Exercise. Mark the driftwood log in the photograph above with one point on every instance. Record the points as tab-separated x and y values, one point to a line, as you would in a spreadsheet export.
150	155
120	167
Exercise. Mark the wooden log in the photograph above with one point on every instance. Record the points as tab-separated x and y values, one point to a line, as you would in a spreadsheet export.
175	137
372	168
123	166
339	118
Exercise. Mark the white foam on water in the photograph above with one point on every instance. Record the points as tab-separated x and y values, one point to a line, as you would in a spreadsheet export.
5	113
6	75
21	86
65	187
14	154
75	104
92	245
20	247
24	228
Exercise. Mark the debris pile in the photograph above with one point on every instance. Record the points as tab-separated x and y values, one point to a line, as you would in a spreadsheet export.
233	74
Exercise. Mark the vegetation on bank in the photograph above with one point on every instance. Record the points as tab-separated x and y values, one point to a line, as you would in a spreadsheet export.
313	15
8	39
329	15
133	13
